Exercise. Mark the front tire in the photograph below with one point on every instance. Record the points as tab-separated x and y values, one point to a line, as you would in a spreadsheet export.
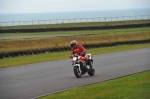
77	72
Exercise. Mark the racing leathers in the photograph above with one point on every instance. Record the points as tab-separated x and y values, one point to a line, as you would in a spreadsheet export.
79	50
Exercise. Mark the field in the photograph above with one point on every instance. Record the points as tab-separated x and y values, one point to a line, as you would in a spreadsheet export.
131	87
83	37
135	86
91	37
86	32
23	60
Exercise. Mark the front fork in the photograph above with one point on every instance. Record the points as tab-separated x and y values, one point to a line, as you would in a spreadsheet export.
78	65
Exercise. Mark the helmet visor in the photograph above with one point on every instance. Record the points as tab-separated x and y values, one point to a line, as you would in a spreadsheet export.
72	45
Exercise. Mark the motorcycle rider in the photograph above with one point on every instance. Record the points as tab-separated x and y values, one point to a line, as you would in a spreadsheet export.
79	50
85	61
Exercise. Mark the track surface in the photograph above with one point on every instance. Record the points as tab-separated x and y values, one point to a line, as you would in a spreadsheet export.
30	81
36	36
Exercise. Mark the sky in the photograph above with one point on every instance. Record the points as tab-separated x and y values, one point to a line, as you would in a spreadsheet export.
36	6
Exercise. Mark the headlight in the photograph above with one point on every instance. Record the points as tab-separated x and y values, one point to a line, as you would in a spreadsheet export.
74	58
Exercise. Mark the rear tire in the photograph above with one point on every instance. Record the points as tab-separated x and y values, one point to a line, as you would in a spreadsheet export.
77	72
92	72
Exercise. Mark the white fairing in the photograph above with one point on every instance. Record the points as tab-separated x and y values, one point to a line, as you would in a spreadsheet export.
78	66
90	56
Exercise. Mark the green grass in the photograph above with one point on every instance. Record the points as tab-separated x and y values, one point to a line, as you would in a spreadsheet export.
17	45
96	32
82	24
135	86
22	60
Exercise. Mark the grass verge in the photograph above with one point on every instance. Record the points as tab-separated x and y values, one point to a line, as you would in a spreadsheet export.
96	32
22	60
135	86
7	46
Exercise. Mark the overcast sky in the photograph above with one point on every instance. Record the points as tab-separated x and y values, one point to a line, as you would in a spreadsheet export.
32	6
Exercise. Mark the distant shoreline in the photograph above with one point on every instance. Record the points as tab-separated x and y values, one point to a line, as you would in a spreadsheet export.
10	17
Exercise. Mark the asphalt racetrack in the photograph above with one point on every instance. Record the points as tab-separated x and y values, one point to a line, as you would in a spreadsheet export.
36	36
34	80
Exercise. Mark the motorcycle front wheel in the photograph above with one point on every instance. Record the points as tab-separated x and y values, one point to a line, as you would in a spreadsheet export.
77	72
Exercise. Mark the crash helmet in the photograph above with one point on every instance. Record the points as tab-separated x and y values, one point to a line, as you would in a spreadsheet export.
73	43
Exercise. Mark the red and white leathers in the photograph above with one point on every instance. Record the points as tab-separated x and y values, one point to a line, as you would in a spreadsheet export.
79	50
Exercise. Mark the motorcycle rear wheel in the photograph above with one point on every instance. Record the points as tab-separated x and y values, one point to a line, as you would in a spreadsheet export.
92	72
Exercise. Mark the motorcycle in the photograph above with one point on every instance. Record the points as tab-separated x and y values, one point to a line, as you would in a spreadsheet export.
81	67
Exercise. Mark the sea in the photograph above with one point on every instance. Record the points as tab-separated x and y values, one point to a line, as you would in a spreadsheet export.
12	19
